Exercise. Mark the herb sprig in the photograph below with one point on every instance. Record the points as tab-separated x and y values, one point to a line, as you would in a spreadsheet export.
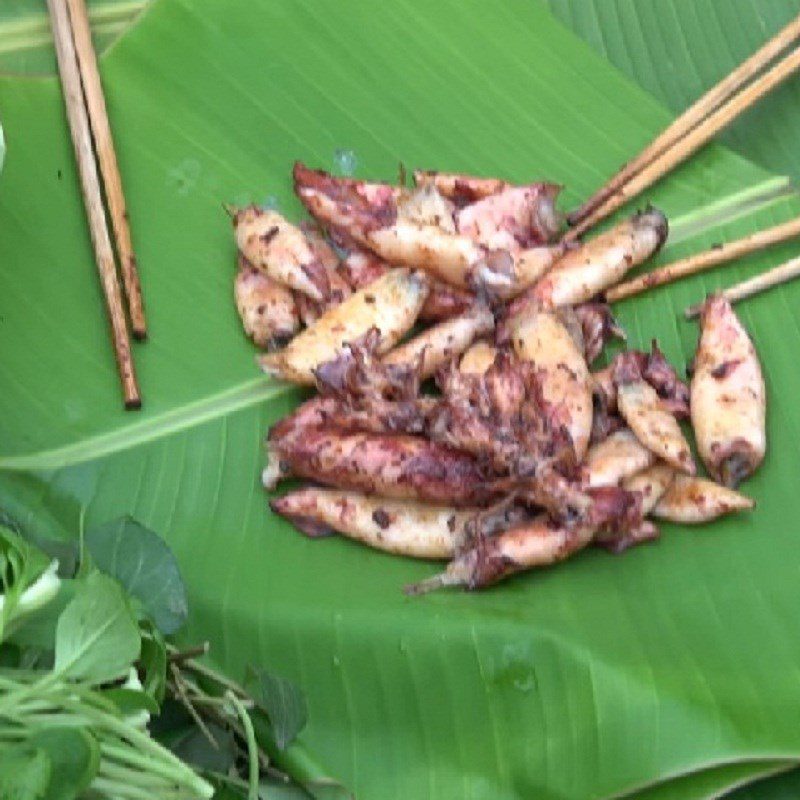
96	703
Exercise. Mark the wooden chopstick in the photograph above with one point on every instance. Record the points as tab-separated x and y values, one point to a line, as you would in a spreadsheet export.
706	260
92	198
716	109
107	158
759	283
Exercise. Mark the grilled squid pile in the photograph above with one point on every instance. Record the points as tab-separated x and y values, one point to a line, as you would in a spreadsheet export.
459	415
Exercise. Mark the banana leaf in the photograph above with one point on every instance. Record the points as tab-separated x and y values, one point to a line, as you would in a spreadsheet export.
677	49
669	672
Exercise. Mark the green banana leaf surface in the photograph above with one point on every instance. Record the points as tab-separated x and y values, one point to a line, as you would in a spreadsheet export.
670	672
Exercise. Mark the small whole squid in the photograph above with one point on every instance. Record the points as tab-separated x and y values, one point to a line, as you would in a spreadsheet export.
397	466
421	228
405	527
597	264
540	337
281	250
391	304
619	456
266	307
728	396
538	542
655	427
439	344
696	500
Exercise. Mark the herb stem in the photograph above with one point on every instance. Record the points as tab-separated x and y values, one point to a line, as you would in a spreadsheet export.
208	672
128	792
130	757
133	777
252	746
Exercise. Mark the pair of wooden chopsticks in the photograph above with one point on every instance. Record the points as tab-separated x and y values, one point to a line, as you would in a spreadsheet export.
750	81
91	133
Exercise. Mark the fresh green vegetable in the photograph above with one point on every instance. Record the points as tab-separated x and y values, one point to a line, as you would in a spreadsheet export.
80	690
145	566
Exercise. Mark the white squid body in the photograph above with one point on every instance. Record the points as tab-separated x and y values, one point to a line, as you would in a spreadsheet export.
440	343
728	397
453	184
425	233
617	457
695	500
478	359
603	261
654	426
651	483
391	304
277	248
266	307
540	337
403	527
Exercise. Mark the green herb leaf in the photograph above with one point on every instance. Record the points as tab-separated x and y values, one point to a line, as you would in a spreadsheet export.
283	702
131	701
141	561
75	758
21	564
153	662
97	638
195	749
39	630
24	773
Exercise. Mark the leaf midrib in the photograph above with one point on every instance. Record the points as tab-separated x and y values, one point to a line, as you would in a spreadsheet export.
242	395
250	392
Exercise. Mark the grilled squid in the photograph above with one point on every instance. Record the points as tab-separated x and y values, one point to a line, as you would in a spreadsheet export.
266	307
404	527
619	456
281	250
651	484
445	302
654	426
397	466
391	304
696	500
597	327
540	337
437	345
599	263
516	216
420	228
728	397
536	543
459	188
478	359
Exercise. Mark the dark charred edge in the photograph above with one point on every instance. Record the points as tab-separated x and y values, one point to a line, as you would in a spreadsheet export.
318	276
549	221
445	302
736	467
658	219
133	404
616	544
311	527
